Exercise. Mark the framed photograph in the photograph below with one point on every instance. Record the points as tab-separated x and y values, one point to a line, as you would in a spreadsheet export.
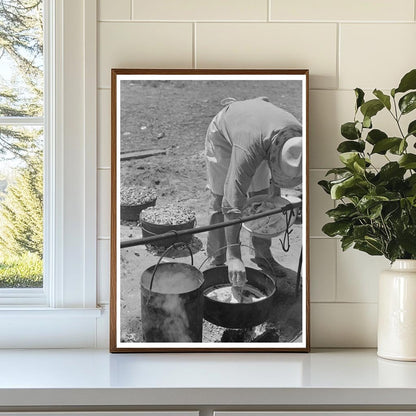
209	211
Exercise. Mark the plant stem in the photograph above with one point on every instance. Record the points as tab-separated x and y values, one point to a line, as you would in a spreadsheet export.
397	118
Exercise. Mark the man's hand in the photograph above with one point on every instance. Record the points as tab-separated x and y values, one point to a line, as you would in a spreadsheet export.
236	272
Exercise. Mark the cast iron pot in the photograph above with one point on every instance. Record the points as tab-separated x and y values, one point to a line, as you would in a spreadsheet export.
238	315
172	316
150	229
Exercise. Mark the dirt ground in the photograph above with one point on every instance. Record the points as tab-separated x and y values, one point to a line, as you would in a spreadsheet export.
174	116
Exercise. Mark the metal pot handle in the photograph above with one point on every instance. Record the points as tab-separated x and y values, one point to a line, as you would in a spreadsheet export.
231	245
163	255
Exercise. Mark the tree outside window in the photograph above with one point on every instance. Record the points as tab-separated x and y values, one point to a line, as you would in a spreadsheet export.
21	143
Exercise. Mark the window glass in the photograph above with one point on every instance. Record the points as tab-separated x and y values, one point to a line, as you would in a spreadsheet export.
21	143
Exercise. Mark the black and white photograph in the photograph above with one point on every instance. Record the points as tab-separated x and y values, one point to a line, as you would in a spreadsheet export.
209	215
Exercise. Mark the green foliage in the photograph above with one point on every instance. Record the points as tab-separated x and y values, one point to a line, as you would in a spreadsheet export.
21	92
21	271
376	210
21	95
21	212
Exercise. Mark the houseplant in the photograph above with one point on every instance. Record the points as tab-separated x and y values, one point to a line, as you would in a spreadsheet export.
376	209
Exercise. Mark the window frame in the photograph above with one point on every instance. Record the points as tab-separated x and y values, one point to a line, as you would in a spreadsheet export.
38	296
67	304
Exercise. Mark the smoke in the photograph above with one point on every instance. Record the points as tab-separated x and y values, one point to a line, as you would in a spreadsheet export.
169	319
172	311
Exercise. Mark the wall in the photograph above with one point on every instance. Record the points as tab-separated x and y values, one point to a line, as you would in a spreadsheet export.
345	44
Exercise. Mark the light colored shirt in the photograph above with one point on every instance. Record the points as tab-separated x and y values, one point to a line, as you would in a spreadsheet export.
249	127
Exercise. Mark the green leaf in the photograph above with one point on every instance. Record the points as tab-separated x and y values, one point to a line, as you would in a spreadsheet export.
393	250
338	187
359	95
346	186
342	211
408	102
371	108
408	161
346	242
325	186
349	131
385	99
391	170
367	122
375	136
354	161
349	146
361	231
402	147
411	130
359	165
369	201
407	240
408	82
375	211
411	180
338	171
393	92
398	149
348	158
385	144
367	248
333	229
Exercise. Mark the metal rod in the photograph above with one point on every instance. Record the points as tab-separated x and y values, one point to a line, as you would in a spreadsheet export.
197	230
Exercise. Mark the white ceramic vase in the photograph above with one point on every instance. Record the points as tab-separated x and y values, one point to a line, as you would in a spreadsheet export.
397	312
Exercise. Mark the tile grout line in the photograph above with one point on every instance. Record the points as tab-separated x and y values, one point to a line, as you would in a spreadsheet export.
307	22
343	303
338	63
336	271
269	9
194	63
131	9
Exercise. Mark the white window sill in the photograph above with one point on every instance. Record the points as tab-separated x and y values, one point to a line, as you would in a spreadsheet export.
36	312
322	378
40	327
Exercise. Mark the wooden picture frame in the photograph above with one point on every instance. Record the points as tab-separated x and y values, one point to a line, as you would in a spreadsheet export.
167	126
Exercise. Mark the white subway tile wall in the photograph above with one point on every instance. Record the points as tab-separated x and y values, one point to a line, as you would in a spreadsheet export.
104	203
345	44
352	10
114	10
104	128
323	269
103	269
145	45
270	45
375	55
200	10
337	325
357	276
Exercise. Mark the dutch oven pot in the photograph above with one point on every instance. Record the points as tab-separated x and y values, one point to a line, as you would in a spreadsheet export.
132	212
238	315
150	229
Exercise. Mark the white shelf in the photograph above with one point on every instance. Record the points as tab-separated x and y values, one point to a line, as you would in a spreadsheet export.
40	378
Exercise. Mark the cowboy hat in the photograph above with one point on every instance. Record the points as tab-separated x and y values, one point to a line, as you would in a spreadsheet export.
285	162
291	157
